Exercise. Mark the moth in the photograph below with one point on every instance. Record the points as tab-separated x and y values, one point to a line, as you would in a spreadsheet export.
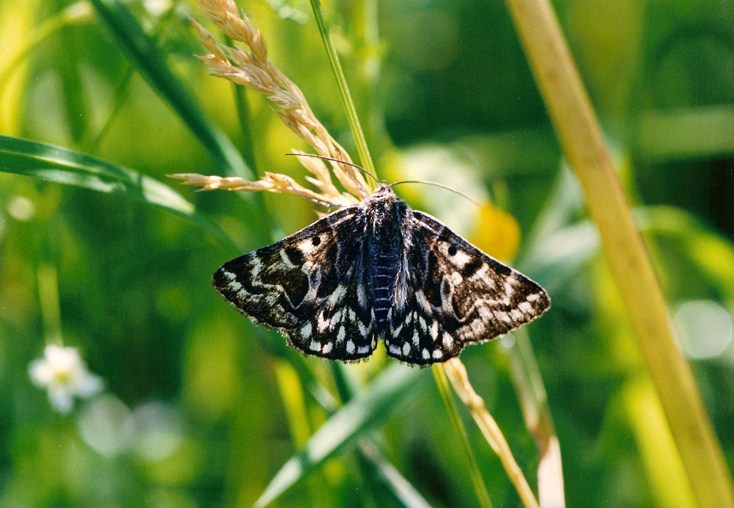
379	269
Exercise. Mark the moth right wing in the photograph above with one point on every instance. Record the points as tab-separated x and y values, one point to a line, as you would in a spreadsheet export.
451	294
311	286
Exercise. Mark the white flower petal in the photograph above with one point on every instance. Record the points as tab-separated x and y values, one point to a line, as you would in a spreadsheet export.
64	374
60	399
40	372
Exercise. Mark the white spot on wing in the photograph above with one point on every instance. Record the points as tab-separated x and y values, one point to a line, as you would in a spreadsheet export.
510	283
484	312
322	322
286	260
437	354
307	247
394	349
508	289
460	259
363	349
306	330
525	307
426	354
337	295
362	296
422	323
482	274
314	346
328	347
350	346
406	349
422	300
478	328
255	265
342	333
448	341
456	278
397	331
416	338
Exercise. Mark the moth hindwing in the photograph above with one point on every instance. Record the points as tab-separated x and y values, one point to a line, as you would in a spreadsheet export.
379	269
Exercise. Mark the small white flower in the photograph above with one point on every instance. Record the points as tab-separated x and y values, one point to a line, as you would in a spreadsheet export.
64	374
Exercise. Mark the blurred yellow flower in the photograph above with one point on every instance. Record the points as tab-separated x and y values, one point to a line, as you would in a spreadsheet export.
497	232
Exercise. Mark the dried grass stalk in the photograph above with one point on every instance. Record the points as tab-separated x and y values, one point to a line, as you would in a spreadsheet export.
459	379
252	68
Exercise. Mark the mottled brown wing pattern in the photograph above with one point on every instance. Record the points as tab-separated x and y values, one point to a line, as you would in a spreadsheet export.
450	294
310	286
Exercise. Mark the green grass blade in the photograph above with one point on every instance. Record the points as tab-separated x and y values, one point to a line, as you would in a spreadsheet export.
150	61
393	387
341	80
63	166
400	487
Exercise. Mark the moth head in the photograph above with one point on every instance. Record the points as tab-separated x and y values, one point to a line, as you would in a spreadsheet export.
383	190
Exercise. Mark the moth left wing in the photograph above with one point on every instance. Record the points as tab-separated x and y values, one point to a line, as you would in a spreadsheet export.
449	294
310	286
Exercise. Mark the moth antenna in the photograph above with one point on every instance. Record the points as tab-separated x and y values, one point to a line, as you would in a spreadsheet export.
435	184
332	159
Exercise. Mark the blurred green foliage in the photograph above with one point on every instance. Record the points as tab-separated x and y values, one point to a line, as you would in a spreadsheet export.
203	408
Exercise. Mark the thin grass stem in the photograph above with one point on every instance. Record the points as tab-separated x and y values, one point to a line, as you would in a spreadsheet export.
341	80
474	473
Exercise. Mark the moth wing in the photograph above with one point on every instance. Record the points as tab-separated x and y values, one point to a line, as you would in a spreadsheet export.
310	286
449	294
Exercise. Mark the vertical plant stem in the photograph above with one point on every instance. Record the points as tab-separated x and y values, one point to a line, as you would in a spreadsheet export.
341	80
475	474
581	139
367	69
48	296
